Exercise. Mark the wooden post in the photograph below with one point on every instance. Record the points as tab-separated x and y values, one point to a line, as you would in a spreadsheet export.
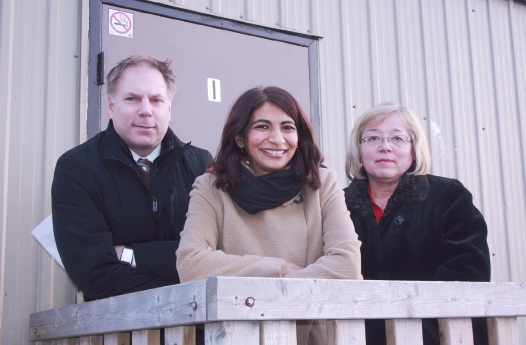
278	332
67	341
232	333
503	331
455	331
146	337
184	335
351	332
404	331
117	339
92	340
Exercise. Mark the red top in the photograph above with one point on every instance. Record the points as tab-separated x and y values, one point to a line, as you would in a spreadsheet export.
378	212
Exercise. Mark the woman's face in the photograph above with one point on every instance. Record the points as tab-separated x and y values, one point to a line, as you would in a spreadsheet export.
271	139
386	159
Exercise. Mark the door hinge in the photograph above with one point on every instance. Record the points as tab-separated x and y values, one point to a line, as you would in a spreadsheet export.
100	68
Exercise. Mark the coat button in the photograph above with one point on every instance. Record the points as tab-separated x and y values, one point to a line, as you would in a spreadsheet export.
399	220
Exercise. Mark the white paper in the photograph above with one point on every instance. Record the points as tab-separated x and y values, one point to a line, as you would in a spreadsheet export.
44	235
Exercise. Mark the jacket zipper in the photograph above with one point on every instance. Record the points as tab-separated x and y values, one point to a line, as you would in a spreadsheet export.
154	197
154	179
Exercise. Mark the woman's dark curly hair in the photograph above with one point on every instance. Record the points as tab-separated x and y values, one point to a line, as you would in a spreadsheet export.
227	164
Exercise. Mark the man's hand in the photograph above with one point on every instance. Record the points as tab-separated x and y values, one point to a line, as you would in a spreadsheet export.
118	250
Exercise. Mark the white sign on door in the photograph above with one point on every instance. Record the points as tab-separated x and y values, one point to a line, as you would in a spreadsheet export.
120	23
214	90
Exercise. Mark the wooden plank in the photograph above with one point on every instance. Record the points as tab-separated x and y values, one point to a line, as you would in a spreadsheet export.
146	337
456	331
259	299
278	332
183	335
289	299
117	339
163	307
351	332
405	331
503	331
232	333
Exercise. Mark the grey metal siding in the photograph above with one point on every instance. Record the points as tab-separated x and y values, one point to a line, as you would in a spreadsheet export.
460	64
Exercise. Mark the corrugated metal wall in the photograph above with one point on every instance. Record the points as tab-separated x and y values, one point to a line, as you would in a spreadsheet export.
460	63
39	116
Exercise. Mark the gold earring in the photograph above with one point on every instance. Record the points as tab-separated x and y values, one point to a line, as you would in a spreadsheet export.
244	157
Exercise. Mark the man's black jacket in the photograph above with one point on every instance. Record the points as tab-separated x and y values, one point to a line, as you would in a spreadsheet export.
99	200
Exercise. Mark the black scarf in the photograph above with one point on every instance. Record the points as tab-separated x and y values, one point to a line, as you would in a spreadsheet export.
260	193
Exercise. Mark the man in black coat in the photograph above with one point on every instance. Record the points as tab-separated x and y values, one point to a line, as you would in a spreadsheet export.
116	229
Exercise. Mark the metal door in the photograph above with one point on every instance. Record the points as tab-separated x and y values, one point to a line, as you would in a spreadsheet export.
214	60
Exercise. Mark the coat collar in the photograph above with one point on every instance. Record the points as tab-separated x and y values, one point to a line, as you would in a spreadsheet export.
115	148
410	189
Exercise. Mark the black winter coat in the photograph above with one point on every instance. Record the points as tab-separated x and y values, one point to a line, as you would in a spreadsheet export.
430	231
99	200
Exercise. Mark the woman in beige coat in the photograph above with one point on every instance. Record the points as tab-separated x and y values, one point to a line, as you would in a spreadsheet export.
266	208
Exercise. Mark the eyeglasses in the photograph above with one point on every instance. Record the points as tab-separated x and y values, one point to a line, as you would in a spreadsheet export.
397	140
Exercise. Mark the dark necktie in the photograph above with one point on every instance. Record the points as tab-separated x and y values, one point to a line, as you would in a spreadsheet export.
145	166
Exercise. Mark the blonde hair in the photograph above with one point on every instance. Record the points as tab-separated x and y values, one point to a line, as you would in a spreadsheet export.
378	113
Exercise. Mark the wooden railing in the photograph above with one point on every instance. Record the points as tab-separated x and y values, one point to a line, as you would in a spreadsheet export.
264	311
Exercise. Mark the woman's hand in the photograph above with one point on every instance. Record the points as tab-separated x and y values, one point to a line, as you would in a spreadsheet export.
288	268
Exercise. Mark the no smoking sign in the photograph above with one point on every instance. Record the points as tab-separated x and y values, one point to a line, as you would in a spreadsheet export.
120	23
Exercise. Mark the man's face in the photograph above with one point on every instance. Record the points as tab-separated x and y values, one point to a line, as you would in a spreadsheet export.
140	108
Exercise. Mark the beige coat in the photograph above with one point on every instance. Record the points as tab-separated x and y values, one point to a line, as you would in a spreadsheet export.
316	233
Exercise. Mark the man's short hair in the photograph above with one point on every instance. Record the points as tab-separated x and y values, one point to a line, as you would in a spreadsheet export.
137	60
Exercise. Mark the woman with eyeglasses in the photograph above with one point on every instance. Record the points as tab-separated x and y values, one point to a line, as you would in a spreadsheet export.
412	225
